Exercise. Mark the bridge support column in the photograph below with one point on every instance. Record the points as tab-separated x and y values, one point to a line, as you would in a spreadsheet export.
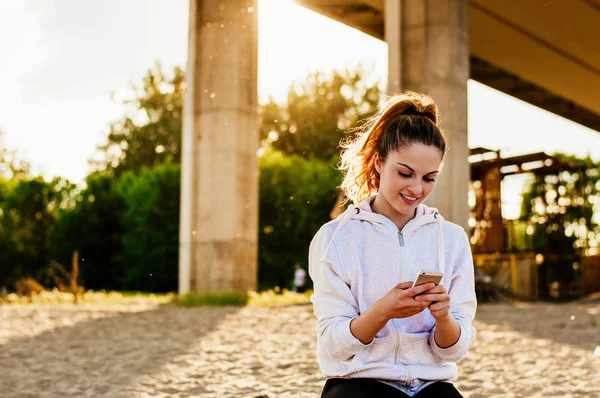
218	240
429	53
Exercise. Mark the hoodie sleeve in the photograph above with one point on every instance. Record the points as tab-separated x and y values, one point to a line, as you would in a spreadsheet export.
334	304
463	304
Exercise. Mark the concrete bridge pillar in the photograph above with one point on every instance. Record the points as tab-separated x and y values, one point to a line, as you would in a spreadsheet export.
219	180
429	52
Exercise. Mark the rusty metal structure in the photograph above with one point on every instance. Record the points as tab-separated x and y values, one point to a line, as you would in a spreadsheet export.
522	274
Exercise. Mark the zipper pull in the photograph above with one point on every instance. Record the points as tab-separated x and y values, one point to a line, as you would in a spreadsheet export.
401	238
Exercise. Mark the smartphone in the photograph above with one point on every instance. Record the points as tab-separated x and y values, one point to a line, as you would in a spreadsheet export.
428	276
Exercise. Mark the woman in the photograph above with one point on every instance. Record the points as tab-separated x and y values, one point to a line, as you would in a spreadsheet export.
378	336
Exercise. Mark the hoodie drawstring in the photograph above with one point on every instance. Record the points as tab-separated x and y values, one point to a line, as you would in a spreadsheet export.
441	255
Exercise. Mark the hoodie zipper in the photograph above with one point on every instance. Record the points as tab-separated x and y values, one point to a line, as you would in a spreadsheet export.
400	267
401	261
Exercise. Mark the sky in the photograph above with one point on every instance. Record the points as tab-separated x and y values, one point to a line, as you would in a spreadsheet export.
61	60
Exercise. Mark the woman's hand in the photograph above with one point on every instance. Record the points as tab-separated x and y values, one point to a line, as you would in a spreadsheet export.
400	301
447	330
438	302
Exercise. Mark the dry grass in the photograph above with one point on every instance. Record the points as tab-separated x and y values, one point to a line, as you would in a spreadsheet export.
251	298
273	298
268	298
90	296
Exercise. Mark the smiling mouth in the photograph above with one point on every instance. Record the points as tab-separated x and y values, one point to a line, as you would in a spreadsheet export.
411	198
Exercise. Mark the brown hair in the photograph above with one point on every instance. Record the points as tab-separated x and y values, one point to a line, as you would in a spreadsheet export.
405	119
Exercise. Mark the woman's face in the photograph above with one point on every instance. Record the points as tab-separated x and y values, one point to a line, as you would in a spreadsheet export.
408	176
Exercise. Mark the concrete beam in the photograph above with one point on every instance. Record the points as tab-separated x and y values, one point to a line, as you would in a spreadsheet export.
494	77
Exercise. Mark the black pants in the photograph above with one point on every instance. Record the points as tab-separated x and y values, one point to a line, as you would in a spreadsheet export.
367	388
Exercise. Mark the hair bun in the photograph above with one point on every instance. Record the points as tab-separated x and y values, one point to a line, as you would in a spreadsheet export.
411	103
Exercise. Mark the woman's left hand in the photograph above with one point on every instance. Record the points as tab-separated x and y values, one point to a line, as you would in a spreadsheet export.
440	306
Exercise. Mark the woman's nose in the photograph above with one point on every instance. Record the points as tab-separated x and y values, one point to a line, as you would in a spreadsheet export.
416	189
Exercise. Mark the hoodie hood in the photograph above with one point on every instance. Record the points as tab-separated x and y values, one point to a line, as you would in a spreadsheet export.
423	215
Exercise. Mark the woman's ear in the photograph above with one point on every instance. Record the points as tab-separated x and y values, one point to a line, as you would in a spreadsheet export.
377	163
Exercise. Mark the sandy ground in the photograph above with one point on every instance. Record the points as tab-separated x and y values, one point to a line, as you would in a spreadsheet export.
141	350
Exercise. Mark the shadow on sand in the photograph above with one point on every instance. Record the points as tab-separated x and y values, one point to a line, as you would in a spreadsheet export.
573	323
101	357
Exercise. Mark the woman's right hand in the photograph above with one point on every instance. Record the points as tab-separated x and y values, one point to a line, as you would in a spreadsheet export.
400	301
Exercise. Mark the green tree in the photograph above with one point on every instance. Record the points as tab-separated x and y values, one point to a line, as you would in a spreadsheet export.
296	197
150	132
317	115
28	217
92	225
319	111
151	228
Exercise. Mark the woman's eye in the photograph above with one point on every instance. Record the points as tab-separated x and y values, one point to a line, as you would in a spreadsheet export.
429	179
404	175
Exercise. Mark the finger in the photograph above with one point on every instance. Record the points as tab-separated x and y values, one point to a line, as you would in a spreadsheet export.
413	291
404	285
418	304
436	307
438	289
432	297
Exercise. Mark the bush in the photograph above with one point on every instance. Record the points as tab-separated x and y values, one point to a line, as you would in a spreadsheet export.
93	227
28	216
151	224
296	197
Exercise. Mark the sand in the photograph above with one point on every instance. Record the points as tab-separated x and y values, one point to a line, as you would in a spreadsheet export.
143	350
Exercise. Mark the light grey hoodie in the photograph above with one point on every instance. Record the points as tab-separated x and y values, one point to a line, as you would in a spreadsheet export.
357	259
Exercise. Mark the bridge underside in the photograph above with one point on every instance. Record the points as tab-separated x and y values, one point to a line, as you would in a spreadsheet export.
544	53
494	77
